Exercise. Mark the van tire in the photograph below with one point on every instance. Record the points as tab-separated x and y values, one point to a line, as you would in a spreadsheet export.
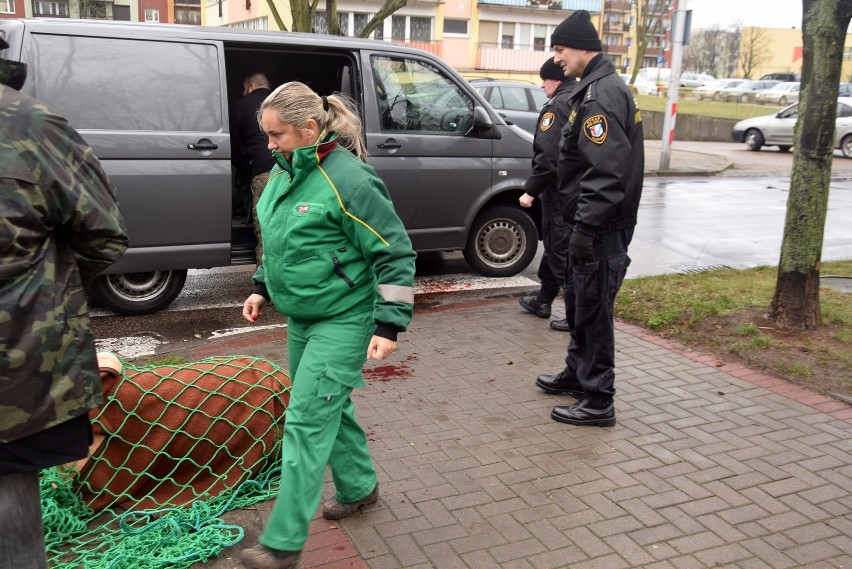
138	293
502	242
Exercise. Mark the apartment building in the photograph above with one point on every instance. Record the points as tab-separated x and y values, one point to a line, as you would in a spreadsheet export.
166	11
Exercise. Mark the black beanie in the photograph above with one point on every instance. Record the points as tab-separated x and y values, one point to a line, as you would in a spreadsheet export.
578	32
551	71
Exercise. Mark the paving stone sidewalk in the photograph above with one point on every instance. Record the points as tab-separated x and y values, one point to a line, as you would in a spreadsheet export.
710	464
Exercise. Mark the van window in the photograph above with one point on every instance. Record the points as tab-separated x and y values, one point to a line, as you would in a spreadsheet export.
413	95
79	76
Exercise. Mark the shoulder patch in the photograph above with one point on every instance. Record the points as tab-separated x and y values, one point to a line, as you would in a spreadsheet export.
547	120
595	128
573	116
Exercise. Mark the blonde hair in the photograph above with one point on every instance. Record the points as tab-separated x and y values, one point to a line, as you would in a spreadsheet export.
295	103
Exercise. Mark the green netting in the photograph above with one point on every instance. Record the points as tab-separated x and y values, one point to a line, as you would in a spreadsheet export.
175	448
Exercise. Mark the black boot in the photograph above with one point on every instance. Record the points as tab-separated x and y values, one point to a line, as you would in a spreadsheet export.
560	325
537	307
563	383
584	413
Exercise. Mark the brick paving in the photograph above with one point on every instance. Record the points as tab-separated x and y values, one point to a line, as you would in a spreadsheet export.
710	465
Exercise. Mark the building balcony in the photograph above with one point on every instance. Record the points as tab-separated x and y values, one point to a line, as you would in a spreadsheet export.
617	6
653	51
619	27
522	59
612	49
431	46
590	5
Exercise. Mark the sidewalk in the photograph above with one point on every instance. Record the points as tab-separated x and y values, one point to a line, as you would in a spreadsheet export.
683	162
710	464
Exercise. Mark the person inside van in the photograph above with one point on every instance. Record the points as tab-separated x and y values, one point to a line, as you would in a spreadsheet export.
339	265
248	144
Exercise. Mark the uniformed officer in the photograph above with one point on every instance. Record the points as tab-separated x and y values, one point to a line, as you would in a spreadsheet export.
599	175
542	184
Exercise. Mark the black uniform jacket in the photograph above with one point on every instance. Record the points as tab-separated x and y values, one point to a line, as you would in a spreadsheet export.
602	155
542	181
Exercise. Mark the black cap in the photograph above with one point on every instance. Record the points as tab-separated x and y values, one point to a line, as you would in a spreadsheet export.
578	32
551	70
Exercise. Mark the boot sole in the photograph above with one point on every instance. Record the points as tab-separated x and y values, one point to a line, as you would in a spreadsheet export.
609	422
550	390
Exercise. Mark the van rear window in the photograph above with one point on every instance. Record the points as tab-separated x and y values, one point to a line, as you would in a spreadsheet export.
127	84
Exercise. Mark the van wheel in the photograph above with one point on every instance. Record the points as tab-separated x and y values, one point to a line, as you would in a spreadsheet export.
138	293
502	242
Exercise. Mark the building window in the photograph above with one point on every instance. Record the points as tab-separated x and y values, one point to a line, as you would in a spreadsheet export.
538	44
46	8
455	27
7	6
507	42
420	29
398	28
360	21
152	15
96	10
847	51
187	16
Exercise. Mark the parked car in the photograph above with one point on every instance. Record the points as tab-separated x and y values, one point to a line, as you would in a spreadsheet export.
745	92
431	137
517	102
788	77
713	89
695	80
777	129
781	94
642	85
845	90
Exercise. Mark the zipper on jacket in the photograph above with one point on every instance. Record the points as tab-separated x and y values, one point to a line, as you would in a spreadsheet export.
339	272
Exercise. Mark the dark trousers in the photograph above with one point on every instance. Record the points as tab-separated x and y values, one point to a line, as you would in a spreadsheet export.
21	530
553	265
590	292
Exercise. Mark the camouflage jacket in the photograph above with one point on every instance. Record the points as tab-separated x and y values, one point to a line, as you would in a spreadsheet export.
59	228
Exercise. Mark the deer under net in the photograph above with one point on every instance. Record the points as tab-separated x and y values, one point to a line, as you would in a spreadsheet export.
174	448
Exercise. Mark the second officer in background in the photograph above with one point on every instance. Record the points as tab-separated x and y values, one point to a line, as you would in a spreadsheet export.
542	185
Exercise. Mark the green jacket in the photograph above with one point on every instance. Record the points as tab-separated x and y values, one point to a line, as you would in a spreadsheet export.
59	228
332	242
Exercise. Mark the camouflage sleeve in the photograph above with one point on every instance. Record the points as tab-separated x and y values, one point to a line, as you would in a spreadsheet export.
82	195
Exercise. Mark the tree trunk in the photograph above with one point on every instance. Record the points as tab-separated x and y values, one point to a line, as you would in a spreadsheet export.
333	22
275	15
796	300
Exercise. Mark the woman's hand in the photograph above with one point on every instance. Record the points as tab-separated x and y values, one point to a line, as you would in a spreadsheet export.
380	348
253	307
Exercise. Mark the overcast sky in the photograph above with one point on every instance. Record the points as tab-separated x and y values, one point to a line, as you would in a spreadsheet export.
763	13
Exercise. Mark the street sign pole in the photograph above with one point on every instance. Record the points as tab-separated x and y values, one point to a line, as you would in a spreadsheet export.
679	31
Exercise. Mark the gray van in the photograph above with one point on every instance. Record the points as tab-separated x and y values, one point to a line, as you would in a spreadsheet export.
153	102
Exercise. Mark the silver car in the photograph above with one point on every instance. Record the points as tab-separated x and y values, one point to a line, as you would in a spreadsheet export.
713	90
781	94
517	102
746	91
777	129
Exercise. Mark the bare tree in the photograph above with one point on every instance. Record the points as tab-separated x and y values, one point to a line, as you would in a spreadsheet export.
702	53
754	50
796	300
731	50
650	23
302	12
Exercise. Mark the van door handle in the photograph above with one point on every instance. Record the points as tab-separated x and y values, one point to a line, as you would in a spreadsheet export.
203	144
389	144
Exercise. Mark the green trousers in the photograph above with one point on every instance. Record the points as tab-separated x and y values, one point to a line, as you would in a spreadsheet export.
320	428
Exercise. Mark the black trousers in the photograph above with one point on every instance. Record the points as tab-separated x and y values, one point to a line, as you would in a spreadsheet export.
553	265
590	292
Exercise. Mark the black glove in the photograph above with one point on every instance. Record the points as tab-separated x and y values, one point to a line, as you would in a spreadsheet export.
581	247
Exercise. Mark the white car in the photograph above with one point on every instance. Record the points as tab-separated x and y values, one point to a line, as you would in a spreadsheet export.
713	90
777	129
643	86
781	94
695	80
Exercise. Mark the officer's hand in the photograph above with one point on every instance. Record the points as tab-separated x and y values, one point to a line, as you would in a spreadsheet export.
526	200
581	248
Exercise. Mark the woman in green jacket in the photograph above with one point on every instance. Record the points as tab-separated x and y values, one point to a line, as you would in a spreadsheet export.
338	263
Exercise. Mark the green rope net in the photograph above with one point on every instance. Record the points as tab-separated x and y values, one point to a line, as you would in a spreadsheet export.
175	448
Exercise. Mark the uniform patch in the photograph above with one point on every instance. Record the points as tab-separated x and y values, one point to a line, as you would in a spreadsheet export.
547	120
595	129
303	208
572	117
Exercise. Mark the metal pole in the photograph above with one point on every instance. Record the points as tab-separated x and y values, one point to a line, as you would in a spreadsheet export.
679	32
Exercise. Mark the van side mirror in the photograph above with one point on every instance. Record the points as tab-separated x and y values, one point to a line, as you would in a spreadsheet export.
483	126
